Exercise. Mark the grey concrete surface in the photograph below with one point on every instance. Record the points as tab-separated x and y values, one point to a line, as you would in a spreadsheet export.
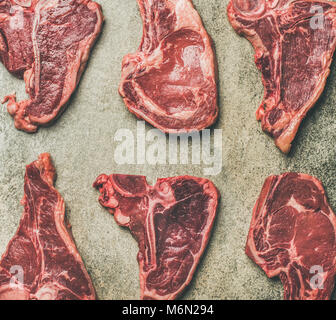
82	145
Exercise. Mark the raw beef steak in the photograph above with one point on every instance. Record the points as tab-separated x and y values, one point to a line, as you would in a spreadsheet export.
294	42
170	82
46	42
41	261
293	236
171	222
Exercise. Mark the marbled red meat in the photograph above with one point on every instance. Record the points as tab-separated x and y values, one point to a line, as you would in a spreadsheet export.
171	81
293	236
48	44
294	42
41	261
171	222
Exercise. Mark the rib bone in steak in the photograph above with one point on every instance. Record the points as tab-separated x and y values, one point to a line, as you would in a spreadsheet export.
293	236
41	261
46	42
171	222
294	42
170	82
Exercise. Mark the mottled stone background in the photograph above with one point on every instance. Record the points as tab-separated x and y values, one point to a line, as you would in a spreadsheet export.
82	145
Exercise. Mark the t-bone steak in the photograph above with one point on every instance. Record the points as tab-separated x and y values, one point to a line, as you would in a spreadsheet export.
293	236
47	43
41	261
171	80
294	42
171	222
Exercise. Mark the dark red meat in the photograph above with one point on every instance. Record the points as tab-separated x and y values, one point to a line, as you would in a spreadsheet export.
293	236
171	222
170	81
293	53
41	261
48	44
